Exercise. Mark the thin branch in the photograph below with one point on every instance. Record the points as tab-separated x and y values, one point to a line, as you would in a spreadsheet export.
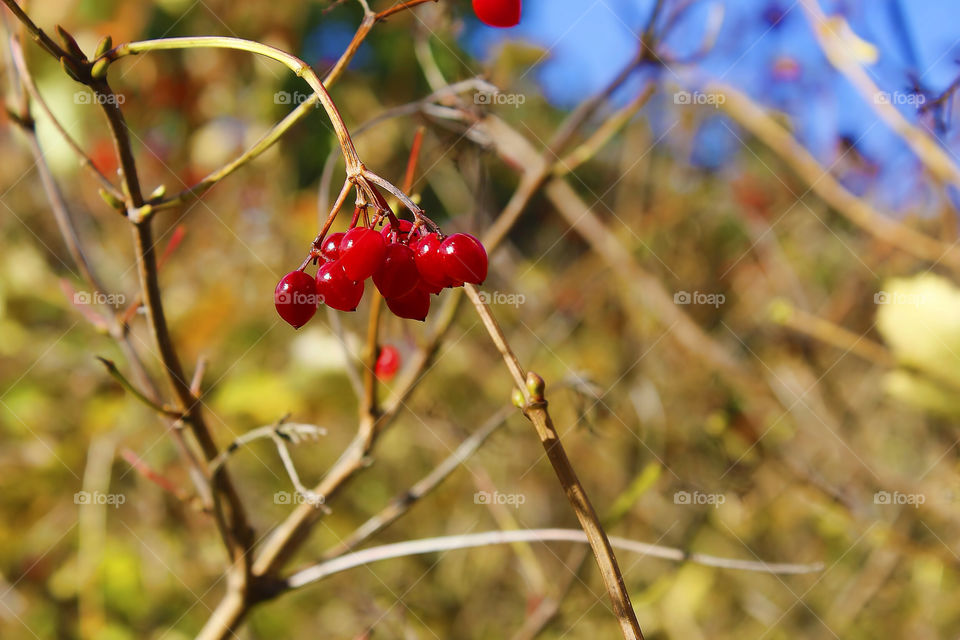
294	431
407	548
535	409
136	393
287	123
38	34
27	79
403	502
403	6
295	64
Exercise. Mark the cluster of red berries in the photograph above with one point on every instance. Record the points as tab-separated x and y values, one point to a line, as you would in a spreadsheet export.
407	264
498	13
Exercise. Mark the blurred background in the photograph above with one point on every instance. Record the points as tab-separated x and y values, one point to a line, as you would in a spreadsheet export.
738	278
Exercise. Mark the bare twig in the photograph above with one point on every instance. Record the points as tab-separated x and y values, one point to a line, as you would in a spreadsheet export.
323	570
136	393
404	501
31	87
535	409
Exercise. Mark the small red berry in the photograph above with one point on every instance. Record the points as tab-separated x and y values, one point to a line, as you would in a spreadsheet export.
400	233
398	273
296	298
498	13
361	253
388	363
430	261
413	306
464	258
336	289
330	249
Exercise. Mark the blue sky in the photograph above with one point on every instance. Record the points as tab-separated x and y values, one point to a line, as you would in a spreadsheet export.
588	42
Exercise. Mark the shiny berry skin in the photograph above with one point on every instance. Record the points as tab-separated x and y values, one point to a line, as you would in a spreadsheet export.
296	298
361	253
398	274
330	249
400	233
498	13
388	363
336	289
430	262
464	258
413	306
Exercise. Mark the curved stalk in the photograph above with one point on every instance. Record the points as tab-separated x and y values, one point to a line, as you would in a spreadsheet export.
292	62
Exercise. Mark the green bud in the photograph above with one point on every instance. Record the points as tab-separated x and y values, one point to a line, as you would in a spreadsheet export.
99	69
105	44
535	386
517	398
158	193
111	200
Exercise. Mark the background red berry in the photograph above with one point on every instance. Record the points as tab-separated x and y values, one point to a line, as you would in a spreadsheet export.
336	289
388	363
498	13
361	252
296	298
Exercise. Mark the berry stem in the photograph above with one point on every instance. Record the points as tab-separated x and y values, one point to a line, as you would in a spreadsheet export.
315	245
402	197
299	67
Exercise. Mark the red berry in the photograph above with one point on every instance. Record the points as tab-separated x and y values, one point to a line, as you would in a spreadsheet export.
388	363
430	262
330	249
398	273
464	258
361	253
413	306
435	289
400	233
296	298
336	289
498	13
